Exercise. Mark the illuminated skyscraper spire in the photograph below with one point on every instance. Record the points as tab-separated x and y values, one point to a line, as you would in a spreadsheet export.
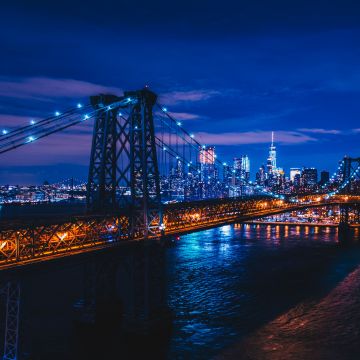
271	162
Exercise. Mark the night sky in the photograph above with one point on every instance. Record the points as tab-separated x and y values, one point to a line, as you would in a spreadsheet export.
232	71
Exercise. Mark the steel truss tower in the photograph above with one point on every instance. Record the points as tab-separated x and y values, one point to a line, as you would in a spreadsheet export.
12	295
123	173
351	171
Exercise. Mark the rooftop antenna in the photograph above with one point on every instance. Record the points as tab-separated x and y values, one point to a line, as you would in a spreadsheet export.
272	139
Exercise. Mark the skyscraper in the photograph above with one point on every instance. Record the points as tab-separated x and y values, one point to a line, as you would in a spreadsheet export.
208	172
324	177
293	173
207	162
261	176
242	170
271	161
207	155
309	177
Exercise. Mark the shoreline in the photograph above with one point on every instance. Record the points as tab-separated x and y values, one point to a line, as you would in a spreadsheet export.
304	332
285	223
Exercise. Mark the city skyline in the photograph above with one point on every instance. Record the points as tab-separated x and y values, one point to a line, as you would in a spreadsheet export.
204	157
209	158
179	179
229	84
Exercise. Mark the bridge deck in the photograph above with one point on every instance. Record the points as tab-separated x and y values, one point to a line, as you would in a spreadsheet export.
26	240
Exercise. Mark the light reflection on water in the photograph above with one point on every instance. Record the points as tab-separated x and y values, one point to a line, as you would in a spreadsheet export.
324	329
226	282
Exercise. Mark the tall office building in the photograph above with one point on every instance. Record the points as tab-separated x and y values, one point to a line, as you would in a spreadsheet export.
242	170
207	155
245	168
297	180
324	177
293	173
227	174
261	176
309	177
207	162
271	161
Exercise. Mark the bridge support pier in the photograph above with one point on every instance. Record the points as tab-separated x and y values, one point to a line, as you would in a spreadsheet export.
344	229
141	280
344	233
99	303
126	290
11	290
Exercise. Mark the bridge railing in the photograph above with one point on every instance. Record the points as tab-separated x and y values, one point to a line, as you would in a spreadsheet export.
26	244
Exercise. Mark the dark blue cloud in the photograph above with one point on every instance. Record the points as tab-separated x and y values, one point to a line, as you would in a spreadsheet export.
267	65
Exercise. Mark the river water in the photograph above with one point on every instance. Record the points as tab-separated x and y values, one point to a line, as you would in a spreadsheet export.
236	292
228	282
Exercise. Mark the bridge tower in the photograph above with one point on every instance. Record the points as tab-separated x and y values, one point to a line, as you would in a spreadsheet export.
351	175
347	162
123	172
11	291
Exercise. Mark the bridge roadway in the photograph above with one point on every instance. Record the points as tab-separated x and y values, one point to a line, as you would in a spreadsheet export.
26	239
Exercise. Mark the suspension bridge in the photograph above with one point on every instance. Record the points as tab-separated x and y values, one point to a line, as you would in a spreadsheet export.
136	143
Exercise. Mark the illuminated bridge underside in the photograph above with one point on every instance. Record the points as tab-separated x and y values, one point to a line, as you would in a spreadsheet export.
24	244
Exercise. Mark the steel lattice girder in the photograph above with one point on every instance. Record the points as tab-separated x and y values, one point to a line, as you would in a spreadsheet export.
12	320
48	240
351	175
29	243
123	159
102	179
144	173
